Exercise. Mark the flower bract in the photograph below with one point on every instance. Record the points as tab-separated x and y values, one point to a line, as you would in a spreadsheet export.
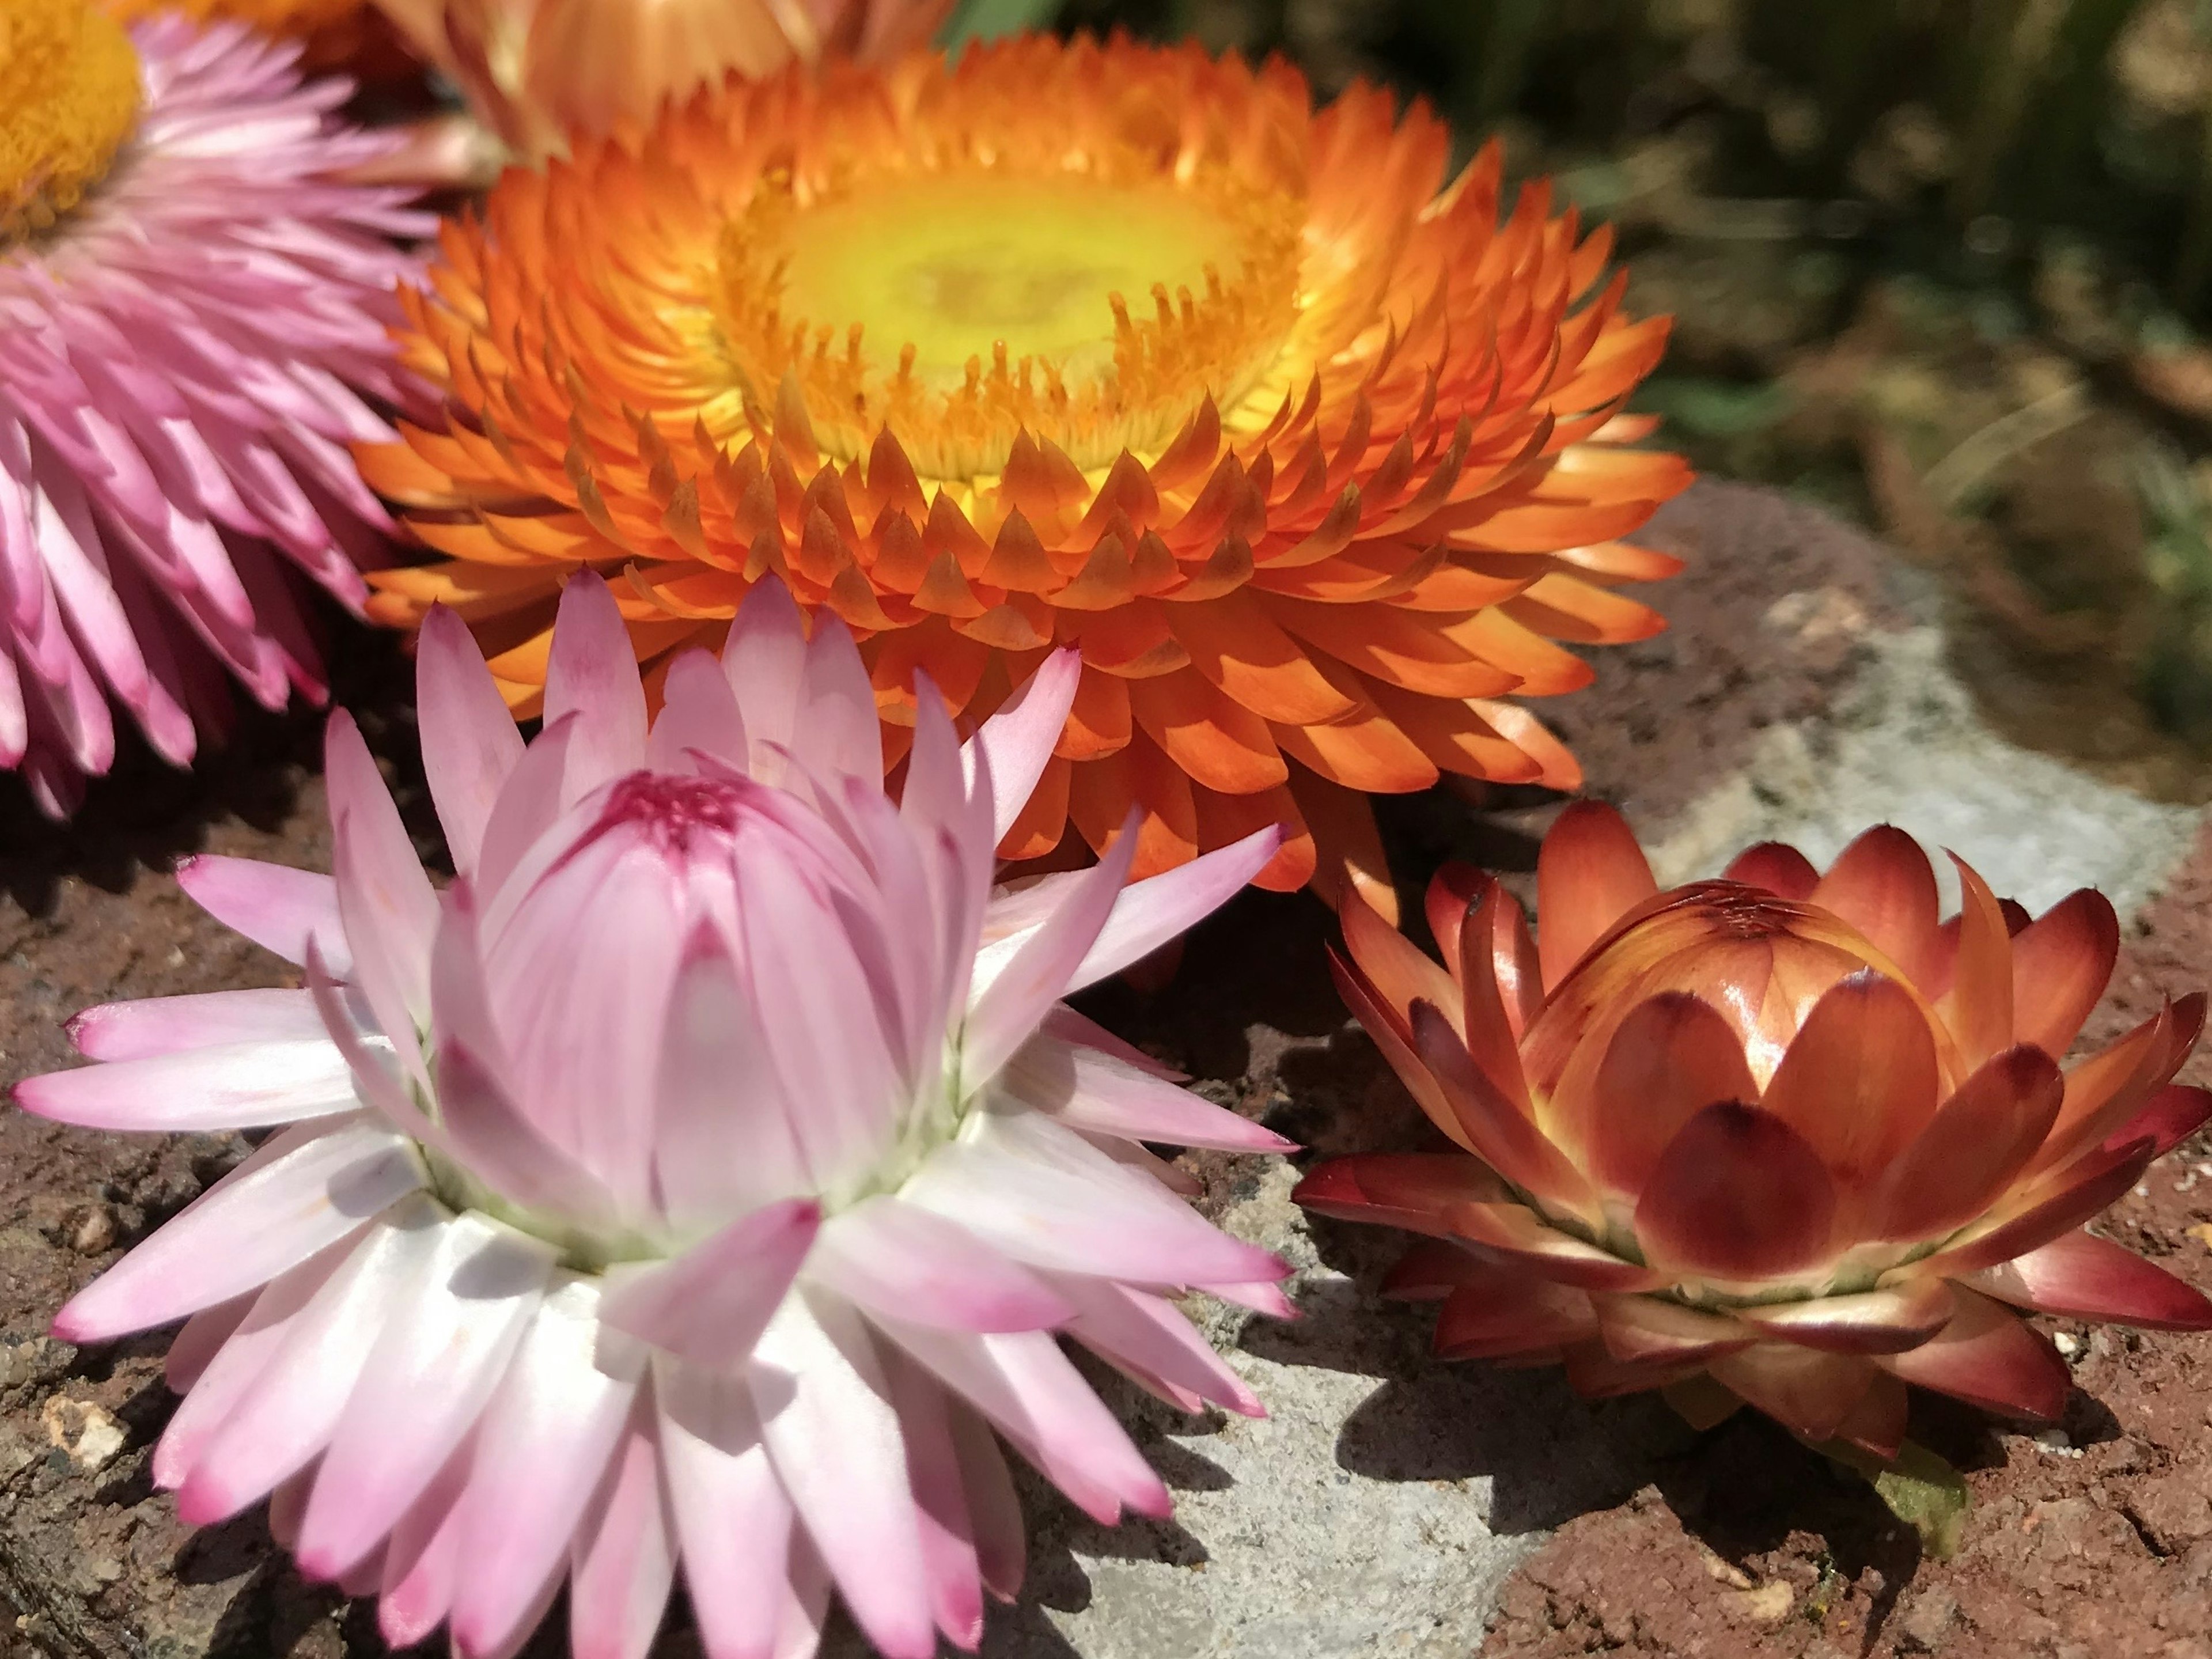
694	1185
536	73
192	330
1309	454
1780	1139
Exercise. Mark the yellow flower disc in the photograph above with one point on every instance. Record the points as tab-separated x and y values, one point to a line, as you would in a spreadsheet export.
68	97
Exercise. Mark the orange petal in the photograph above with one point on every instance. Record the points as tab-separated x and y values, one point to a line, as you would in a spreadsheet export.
1362	751
1977	1004
1383	1025
1858	1081
1348	855
1885	1321
1519	1235
1488	1009
1501	1134
1972	1148
1644	1329
1400	647
1883	886
1809	1393
1430	1269
2061	964
1987	1358
1877	1423
1779	868
1503	1312
2081	1276
1673	1056
1217	740
1098	719
1234	643
2110	1087
2170	1118
1590	873
1736	1195
1413	1190
2061	1203
1454	889
1399	970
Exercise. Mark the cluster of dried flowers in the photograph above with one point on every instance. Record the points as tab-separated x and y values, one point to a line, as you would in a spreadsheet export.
701	1182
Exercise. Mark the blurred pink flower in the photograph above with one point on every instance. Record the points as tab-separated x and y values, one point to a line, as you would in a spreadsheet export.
698	1179
187	349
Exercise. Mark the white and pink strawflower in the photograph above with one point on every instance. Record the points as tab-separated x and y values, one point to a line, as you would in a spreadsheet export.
697	1181
193	303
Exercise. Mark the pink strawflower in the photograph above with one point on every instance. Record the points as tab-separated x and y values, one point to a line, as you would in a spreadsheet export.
186	350
698	1179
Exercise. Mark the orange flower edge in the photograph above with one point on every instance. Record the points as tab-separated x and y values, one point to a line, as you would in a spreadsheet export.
1313	454
1781	1140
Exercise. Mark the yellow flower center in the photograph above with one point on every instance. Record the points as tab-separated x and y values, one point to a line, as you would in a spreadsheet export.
1092	304
68	97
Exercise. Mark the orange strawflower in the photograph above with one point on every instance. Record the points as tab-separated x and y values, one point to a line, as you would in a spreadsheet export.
1313	456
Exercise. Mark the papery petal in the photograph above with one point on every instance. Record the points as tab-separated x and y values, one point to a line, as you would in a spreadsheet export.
591	674
1883	886
1414	1190
1497	1130
1648	1330
1878	1422
1518	1233
891	1257
1886	1320
390	908
2061	964
948	1544
1858	1082
469	742
1149	1338
1737	1195
1150	913
828	1421
1590	873
301	1192
1018	738
432	1371
1809	1393
2081	1276
1673	1056
698	711
547	1438
995	1511
171	1025
1089	1090
2172	1115
276	907
733	1521
1779	868
1978	1003
1987	1358
239	1085
1492	1311
1977	1143
764	659
1399	972
625	1557
710	1305
2028	1220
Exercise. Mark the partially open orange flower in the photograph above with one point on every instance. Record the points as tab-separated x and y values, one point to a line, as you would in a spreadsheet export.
1312	456
536	72
1780	1140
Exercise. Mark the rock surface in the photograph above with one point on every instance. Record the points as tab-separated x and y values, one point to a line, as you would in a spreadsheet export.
1386	1503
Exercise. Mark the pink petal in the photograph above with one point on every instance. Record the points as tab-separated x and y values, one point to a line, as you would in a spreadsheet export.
764	659
171	1025
710	1305
1025	1386
528	805
429	1377
948	1544
1007	1012
275	1428
276	907
830	1427
421	1562
1088	1090
201	1337
889	1257
591	672
1017	741
1148	1336
469	742
698	711
1152	912
836	730
733	1519
241	1085
1043	1196
993	1508
390	908
625	1560
546	1442
301	1192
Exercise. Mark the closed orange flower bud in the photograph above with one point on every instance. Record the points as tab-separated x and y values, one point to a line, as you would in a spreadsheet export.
1781	1140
